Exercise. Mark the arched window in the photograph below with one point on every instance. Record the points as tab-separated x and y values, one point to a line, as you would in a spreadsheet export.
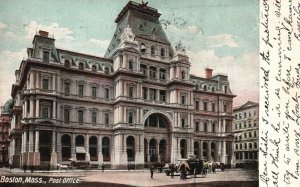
93	148
213	89
94	68
245	145
143	48
255	145
65	147
130	143
80	66
152	50
205	88
162	52
105	149
250	146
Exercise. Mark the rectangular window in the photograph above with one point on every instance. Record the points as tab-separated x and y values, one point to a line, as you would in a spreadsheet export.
106	119
46	56
144	93
225	108
205	126
213	127
130	94
213	105
94	118
197	105
45	111
197	126
183	100
152	94
67	88
80	117
66	116
205	106
106	95
130	118
162	95
94	92
46	84
182	122
80	90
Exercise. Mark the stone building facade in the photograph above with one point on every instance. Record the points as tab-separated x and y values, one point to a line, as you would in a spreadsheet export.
5	119
246	126
137	104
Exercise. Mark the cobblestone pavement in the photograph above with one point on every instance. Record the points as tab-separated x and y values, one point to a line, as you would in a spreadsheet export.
142	178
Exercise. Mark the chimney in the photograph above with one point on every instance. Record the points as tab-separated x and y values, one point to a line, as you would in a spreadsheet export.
43	33
208	73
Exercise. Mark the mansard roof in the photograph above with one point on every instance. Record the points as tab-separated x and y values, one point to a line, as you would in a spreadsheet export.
144	22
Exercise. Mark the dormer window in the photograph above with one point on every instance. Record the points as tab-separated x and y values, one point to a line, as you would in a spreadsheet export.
67	63
94	68
162	52
183	74
45	56
80	66
143	48
130	64
141	27
225	89
152	50
106	70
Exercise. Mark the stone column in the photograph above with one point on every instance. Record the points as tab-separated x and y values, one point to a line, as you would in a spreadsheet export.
224	152
36	156
37	108
31	145
54	110
25	141
31	108
73	153
37	80
53	161
25	111
99	148
209	150
219	147
31	80
54	82
87	147
58	146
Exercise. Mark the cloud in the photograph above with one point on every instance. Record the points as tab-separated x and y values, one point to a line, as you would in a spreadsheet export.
2	25
194	38
9	62
103	44
221	40
242	71
60	33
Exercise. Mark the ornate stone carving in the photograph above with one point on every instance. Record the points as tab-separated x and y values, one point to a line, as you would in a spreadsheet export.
127	35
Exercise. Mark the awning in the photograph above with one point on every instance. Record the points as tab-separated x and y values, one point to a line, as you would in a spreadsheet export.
80	150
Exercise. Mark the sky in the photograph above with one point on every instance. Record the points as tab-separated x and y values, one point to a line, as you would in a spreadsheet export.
219	34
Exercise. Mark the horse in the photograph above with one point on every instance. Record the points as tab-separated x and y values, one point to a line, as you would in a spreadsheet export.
63	166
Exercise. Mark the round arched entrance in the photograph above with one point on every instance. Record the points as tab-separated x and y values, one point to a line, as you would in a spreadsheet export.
157	142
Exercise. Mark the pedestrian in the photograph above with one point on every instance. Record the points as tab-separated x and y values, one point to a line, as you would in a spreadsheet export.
102	167
25	168
172	171
152	171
